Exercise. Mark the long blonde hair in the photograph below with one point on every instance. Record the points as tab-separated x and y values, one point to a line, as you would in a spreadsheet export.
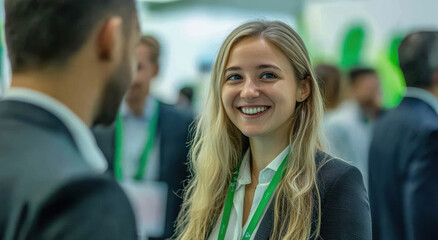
218	145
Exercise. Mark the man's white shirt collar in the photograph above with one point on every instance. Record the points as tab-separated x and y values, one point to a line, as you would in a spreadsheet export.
81	133
148	110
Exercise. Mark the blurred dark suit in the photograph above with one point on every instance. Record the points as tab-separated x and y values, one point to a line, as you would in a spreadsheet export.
404	173
173	132
47	190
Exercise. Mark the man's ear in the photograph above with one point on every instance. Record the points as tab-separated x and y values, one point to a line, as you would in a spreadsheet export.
109	41
304	89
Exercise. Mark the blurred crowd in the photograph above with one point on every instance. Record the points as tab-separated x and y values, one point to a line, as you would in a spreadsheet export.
146	148
353	114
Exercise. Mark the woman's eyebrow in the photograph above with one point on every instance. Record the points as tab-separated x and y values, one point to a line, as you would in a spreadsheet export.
233	69
263	66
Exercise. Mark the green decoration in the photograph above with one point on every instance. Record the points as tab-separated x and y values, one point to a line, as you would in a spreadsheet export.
352	47
391	77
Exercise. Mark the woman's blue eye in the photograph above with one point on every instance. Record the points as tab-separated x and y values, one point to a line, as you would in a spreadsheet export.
268	76
234	77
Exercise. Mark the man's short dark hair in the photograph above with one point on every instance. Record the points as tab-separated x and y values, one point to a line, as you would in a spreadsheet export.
43	32
355	73
188	92
418	58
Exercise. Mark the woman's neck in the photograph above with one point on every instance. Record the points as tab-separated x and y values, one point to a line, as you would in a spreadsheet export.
263	151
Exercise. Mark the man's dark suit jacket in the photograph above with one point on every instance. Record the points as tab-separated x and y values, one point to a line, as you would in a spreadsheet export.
344	203
404	173
172	129
47	190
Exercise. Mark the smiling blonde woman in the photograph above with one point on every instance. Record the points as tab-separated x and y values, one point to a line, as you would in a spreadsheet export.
258	168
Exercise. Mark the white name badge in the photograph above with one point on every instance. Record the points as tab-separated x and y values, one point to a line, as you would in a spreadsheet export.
148	200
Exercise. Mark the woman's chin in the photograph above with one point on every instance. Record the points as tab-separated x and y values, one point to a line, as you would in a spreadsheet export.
252	133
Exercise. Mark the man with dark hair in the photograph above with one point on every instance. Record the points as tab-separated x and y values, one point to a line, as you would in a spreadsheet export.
72	61
147	146
365	90
403	159
185	99
349	127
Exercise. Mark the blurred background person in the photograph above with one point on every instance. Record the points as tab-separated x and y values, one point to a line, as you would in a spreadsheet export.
68	71
185	99
349	127
404	150
148	144
329	81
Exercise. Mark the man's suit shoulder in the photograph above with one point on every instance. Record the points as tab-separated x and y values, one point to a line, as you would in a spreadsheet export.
39	147
175	122
46	182
85	199
175	114
37	159
410	126
410	114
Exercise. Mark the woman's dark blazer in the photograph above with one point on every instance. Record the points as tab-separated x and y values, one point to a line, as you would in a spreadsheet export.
344	203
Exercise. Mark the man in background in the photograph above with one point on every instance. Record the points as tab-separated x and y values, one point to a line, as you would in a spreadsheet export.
403	160
148	144
349	127
68	58
185	99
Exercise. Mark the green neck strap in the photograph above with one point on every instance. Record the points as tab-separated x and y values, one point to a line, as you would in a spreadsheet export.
262	205
150	140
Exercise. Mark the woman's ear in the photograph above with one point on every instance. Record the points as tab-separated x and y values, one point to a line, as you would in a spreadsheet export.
304	89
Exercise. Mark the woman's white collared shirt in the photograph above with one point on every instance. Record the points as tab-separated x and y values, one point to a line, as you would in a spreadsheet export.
235	230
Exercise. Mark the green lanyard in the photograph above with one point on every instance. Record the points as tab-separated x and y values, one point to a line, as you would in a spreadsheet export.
151	130
259	211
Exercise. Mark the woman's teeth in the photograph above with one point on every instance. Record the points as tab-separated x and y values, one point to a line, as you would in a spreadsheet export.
253	110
